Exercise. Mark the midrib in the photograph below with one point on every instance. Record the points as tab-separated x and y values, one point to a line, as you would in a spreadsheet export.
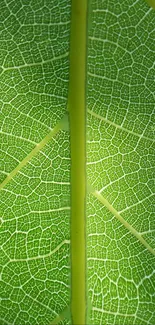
77	114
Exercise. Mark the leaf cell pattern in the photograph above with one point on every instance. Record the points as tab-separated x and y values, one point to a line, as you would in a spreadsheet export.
35	201
120	154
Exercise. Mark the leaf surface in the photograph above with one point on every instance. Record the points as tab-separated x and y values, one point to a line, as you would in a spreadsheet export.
35	203
120	169
35	163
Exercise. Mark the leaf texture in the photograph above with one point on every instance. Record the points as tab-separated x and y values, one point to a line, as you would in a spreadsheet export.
35	199
35	203
121	163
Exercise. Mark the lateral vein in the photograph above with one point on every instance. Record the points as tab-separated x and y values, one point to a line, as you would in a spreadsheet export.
64	242
61	56
118	126
123	221
33	153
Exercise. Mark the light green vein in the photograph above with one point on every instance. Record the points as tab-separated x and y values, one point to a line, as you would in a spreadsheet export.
117	313
123	221
36	63
64	242
33	153
17	137
118	126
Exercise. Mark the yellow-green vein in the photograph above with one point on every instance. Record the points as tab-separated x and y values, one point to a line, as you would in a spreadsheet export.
151	3
77	113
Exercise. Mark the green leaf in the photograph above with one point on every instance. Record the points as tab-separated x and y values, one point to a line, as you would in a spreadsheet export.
36	207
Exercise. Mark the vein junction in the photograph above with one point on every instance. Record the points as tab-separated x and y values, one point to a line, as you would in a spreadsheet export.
122	220
60	317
